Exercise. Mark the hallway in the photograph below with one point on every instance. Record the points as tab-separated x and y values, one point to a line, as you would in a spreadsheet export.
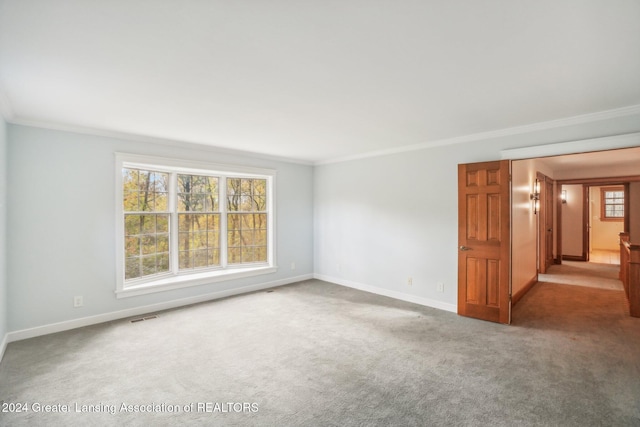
586	296
577	296
585	274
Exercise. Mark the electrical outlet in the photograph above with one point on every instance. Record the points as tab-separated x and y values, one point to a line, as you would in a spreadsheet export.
293	265
77	301
440	287
410	281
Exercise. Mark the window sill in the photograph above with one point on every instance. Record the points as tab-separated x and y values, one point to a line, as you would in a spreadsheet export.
185	281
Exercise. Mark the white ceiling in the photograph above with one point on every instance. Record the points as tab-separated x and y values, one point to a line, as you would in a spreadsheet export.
318	79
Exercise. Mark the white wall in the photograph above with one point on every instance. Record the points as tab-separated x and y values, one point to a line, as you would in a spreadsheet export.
61	215
383	219
4	304
604	235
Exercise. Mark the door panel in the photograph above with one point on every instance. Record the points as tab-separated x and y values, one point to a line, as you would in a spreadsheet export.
545	223
484	241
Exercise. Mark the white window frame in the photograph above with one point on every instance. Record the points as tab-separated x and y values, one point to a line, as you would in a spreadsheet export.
180	279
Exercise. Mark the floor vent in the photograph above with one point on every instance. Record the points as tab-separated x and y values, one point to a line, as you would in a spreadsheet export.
143	318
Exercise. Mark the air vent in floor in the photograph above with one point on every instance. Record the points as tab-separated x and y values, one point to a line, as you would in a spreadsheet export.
143	318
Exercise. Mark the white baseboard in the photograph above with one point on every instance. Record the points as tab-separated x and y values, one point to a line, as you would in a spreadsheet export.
136	311
387	293
3	345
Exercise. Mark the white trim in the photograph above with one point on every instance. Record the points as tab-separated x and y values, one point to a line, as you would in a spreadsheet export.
573	147
550	124
516	130
126	136
387	293
189	166
136	311
191	279
174	279
3	345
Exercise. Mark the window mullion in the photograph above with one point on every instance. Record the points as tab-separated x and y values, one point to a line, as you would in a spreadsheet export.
173	209
222	186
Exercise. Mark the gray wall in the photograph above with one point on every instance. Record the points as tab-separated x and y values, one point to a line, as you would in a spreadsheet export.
4	303
61	211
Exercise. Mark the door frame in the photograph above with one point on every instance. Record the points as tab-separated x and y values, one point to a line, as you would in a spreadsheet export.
544	213
586	183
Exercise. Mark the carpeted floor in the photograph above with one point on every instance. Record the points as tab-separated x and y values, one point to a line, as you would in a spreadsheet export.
590	274
318	354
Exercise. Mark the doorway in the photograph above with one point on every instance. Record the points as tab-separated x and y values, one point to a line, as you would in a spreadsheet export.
592	214
581	170
605	223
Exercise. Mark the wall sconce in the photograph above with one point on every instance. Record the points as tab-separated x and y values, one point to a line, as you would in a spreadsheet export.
535	196
563	196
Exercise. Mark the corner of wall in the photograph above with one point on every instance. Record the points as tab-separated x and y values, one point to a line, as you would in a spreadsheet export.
4	305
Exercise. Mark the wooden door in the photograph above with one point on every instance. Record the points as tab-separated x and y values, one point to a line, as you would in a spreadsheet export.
586	223
545	223
549	198
484	241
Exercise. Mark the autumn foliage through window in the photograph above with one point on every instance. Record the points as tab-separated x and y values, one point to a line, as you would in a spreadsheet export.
176	222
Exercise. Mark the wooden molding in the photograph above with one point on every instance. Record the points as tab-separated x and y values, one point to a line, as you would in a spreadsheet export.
522	292
585	223
574	257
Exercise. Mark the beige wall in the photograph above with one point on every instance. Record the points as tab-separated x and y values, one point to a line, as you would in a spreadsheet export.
572	221
604	234
523	258
524	253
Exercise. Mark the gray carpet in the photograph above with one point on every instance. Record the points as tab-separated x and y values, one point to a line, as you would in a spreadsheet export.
318	354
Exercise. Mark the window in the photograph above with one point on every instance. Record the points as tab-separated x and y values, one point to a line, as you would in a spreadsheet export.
146	222
198	222
612	203
188	223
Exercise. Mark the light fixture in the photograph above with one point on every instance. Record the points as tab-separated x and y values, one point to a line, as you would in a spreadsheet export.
563	196
535	196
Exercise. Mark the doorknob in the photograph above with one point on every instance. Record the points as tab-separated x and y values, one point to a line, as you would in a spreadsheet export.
464	248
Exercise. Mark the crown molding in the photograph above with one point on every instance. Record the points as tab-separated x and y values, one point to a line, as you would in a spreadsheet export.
9	117
517	130
154	140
